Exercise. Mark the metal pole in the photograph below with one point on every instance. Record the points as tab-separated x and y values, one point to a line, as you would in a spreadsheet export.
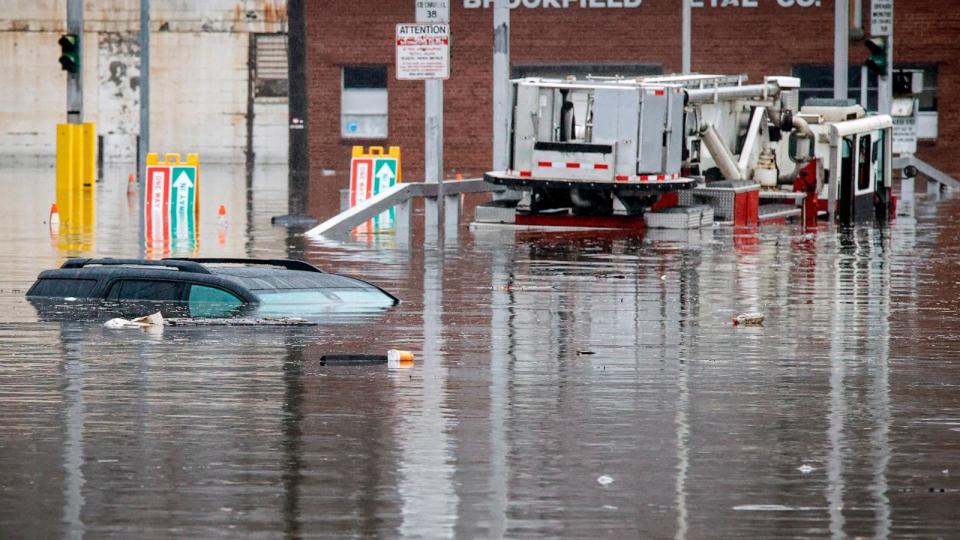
144	145
501	83
502	108
75	80
686	32
298	151
433	155
299	175
864	88
885	84
841	43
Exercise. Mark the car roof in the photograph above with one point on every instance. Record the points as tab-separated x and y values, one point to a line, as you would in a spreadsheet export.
248	276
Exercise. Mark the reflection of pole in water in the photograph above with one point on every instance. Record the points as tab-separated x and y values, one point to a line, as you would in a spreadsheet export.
501	353
689	311
683	462
870	328
74	418
426	474
880	392
292	443
838	404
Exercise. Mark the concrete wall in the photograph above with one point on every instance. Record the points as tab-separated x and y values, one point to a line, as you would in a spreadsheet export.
199	77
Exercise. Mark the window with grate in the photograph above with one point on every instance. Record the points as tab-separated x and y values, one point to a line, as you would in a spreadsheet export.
270	67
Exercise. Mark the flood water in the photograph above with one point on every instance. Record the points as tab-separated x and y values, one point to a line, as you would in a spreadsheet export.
566	385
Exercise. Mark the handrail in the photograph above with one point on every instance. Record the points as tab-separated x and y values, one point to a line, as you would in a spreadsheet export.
345	221
181	265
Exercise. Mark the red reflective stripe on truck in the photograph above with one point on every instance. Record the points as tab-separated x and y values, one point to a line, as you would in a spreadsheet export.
573	165
622	178
526	173
601	166
544	164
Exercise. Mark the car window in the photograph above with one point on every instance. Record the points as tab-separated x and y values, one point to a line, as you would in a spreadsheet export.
308	301
79	288
212	302
142	289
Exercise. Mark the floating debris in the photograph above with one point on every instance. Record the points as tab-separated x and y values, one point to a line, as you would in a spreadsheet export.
353	359
397	359
604	480
155	319
749	319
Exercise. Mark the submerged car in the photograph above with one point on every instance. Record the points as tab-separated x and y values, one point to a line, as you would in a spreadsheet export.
202	288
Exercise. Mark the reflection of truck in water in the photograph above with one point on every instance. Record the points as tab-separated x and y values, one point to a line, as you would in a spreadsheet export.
626	147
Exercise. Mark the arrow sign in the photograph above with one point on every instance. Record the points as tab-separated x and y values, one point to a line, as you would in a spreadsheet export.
184	202
385	176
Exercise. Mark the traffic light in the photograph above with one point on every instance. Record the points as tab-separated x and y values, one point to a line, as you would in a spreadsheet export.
877	63
70	53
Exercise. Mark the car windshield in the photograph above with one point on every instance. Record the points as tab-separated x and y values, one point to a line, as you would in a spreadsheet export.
316	301
306	293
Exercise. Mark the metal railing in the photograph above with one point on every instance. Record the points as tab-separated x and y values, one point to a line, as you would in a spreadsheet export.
399	197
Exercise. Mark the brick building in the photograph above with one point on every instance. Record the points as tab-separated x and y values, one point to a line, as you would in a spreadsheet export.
355	97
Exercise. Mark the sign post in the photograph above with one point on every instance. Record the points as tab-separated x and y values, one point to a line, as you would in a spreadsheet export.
423	53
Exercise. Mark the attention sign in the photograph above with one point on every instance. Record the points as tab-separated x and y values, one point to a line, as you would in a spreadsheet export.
423	51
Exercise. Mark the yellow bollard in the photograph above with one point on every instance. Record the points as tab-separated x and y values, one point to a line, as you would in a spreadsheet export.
88	180
75	185
65	168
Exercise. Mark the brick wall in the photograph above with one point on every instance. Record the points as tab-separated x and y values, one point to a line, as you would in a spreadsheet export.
764	40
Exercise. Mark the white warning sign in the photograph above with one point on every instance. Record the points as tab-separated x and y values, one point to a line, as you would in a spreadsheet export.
423	51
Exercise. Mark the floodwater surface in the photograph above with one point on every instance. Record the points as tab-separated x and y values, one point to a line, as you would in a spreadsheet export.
566	385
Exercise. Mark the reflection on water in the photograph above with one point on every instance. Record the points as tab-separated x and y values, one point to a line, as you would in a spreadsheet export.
544	363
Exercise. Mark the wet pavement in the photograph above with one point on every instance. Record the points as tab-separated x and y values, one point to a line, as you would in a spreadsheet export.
566	385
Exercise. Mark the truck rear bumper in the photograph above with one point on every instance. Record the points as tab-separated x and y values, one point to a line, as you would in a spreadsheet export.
634	184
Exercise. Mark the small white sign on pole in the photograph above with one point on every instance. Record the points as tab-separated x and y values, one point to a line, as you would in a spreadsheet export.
904	113
423	52
433	11
904	135
881	17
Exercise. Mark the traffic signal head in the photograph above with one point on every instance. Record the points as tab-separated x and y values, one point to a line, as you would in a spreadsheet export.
69	53
877	63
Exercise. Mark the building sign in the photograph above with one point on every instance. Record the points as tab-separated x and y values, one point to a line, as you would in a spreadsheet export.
423	51
433	11
615	4
881	17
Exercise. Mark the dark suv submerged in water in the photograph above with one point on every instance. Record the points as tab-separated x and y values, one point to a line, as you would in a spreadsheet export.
201	288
